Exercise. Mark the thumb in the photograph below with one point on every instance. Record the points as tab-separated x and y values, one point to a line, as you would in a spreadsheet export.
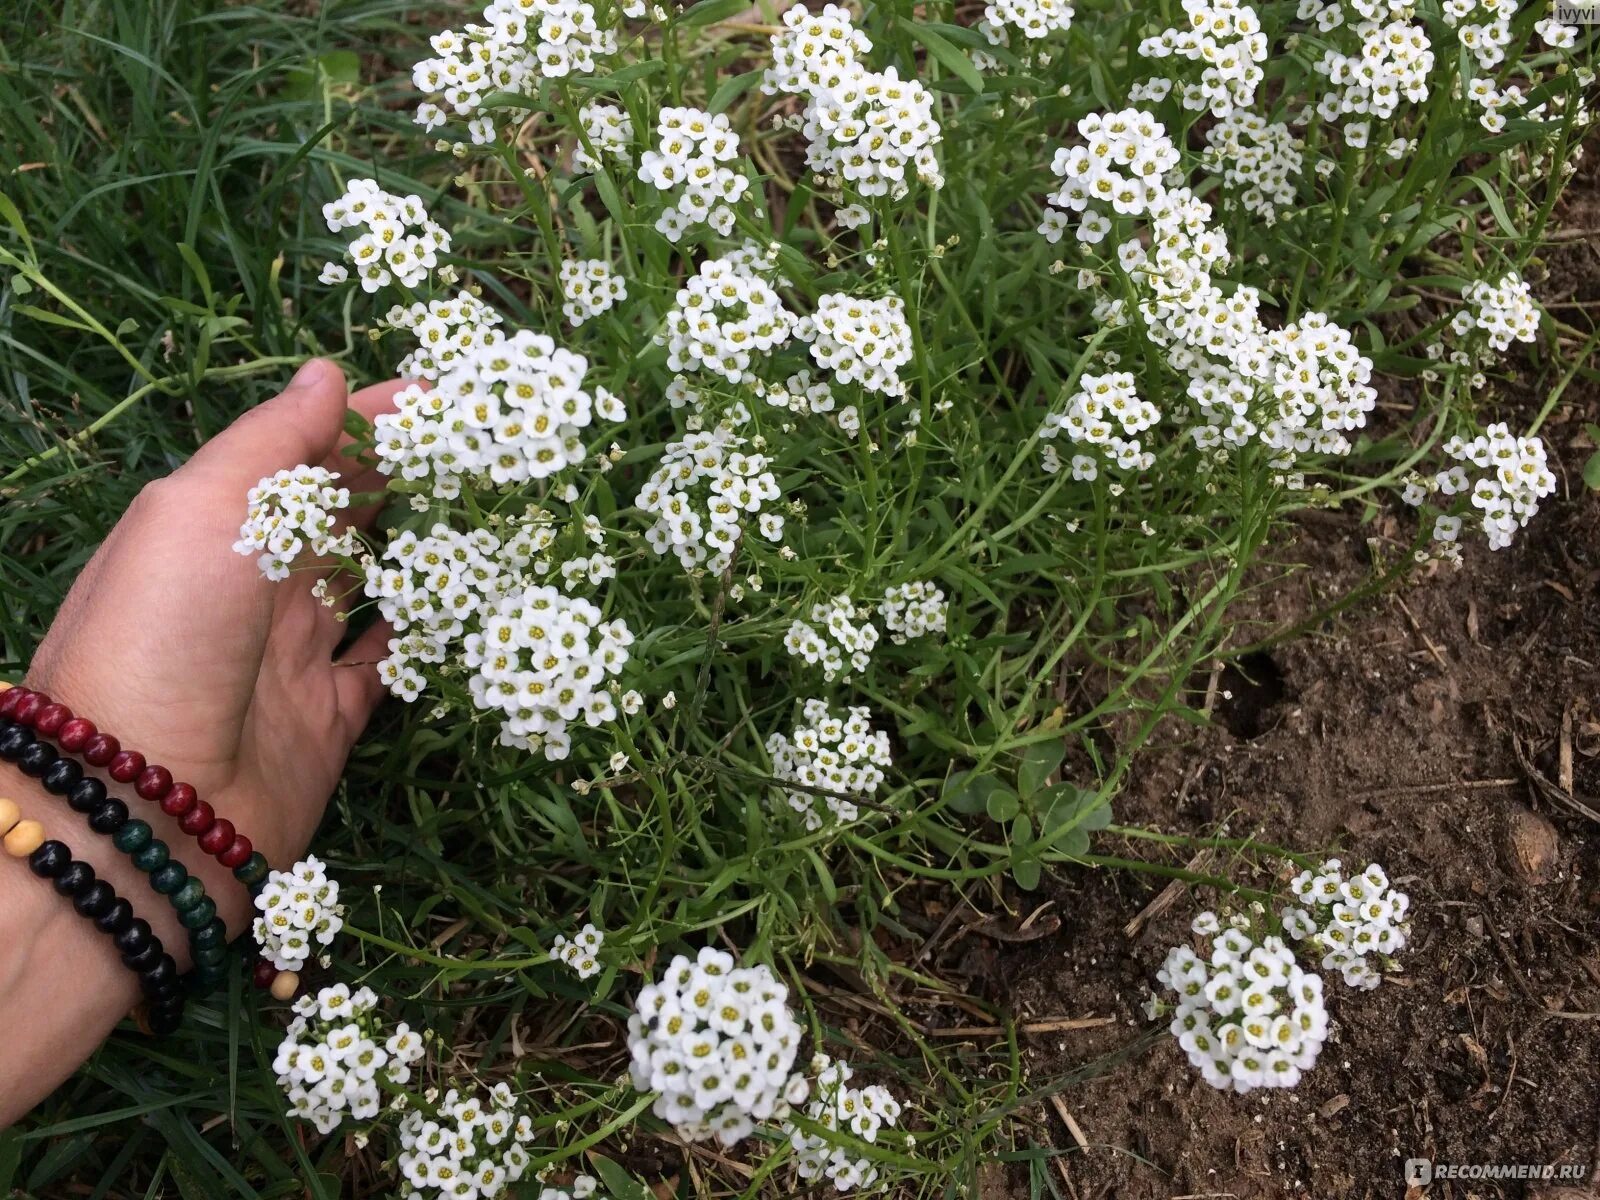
301	424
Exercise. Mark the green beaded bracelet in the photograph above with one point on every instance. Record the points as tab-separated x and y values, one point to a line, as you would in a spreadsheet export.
197	912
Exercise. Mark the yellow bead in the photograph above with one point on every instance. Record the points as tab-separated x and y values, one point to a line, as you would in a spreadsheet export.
285	985
10	814
24	838
6	687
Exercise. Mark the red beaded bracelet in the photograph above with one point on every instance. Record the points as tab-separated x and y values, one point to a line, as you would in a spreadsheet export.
215	835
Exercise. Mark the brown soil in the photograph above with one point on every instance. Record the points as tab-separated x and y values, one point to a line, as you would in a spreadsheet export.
1450	731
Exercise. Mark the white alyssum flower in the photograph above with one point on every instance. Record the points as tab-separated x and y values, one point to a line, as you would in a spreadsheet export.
582	952
860	340
584	1187
702	495
1353	920
1247	1016
914	609
590	288
608	129
860	1111
839	637
1259	159
473	1149
1503	311
814	51
400	240
1391	63
444	330
689	159
1514	475
509	409
1556	35
1225	36
1033	19
726	318
298	907
842	757
801	393
333	1053
717	1042
1107	414
289	513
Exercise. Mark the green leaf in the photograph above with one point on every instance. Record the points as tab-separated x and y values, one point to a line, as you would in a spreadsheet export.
732	89
708	12
619	1184
1002	803
948	56
1591	471
1026	872
1039	761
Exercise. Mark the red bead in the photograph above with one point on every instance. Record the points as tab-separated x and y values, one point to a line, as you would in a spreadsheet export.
179	800
218	838
198	819
237	852
126	766
263	974
28	708
101	749
76	734
51	718
153	782
9	699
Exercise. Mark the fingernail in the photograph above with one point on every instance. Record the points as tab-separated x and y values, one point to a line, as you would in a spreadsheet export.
311	373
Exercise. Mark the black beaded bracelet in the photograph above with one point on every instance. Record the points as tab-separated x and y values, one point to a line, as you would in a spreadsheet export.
108	816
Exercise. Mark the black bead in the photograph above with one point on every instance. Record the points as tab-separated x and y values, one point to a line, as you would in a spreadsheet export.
74	877
109	817
135	937
87	795
36	759
49	860
14	741
168	995
95	899
153	979
165	1022
148	956
62	776
115	919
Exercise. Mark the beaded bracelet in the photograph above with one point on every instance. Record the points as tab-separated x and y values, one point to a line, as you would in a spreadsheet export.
197	913
153	782
97	901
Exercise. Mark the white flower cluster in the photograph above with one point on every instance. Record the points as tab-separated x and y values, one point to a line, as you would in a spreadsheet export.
590	288
691	148
1504	311
1319	388
839	632
1247	1017
801	393
1517	477
836	1105
913	610
582	952
1226	36
1120	167
843	758
444	330
724	316
288	512
717	1042
297	906
1351	920
542	660
702	494
583	1187
471	1150
861	340
510	409
1033	19
1556	35
609	131
865	129
518	42
1392	63
1102	405
333	1052
401	240
1259	159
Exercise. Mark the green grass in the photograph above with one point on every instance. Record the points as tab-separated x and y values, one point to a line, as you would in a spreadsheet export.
165	164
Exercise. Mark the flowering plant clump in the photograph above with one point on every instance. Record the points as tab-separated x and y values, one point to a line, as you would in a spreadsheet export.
401	241
1355	919
717	1043
841	758
582	952
472	1148
298	907
333	1053
289	513
913	610
839	637
836	1105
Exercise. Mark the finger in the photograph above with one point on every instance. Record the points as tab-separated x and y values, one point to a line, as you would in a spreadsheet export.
300	425
355	678
371	402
